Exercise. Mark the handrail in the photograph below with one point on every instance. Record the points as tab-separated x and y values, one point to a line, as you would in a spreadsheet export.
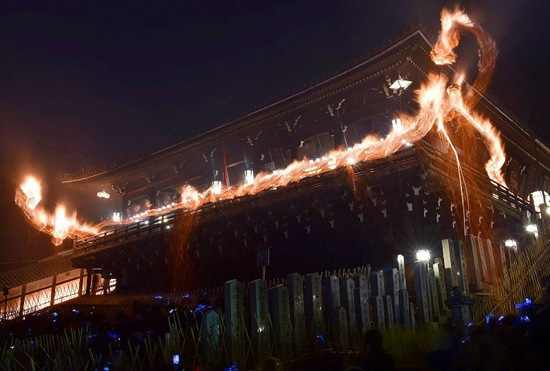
150	226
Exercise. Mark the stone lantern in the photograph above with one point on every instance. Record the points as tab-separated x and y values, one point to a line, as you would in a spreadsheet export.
460	306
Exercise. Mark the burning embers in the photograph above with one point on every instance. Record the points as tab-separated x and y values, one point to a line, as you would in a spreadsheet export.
58	225
439	102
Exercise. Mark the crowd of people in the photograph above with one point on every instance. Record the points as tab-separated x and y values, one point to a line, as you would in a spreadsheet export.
509	342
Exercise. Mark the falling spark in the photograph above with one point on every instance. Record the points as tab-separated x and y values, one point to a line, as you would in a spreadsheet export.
439	102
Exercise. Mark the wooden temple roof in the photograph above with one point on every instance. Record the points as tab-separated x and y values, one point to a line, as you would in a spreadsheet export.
410	53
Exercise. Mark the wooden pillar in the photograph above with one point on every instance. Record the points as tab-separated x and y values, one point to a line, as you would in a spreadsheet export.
6	293
124	206
22	302
106	283
153	197
88	281
81	282
54	282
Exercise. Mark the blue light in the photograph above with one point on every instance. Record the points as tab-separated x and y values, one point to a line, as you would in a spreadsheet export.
186	296
527	303
201	308
158	297
321	337
76	311
233	367
112	335
55	314
176	359
524	319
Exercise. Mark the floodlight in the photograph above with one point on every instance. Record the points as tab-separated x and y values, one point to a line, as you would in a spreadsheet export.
397	125
400	84
103	194
423	255
511	243
217	187
249	177
117	218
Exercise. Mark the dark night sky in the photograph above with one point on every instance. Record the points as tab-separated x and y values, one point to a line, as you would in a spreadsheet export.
85	84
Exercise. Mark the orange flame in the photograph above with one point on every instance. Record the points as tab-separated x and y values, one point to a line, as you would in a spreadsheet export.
59	226
443	53
433	106
449	37
438	103
33	192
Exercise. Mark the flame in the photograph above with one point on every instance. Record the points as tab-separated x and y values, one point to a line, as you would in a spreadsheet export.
438	101
433	107
33	192
449	37
61	225
190	197
492	139
58	225
443	53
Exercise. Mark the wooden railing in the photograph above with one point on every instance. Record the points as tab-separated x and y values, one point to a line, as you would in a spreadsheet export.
153	225
158	224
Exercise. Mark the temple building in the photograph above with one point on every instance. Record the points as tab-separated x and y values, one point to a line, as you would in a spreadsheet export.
409	200
364	213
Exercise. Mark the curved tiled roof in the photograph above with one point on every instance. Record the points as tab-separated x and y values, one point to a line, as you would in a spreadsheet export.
35	272
89	181
262	109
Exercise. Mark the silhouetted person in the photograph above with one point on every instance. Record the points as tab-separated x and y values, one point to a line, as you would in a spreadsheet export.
439	360
540	328
271	364
376	358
